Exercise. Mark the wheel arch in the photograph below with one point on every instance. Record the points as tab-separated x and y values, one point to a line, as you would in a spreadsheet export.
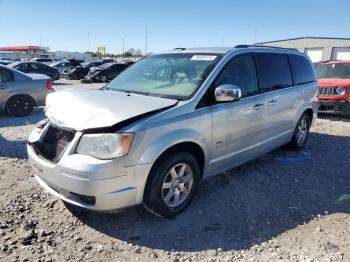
310	113
187	146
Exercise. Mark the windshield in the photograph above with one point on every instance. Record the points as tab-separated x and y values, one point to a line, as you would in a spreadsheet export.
167	75
333	71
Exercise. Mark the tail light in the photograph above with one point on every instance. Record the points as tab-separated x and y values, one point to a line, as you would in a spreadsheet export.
49	84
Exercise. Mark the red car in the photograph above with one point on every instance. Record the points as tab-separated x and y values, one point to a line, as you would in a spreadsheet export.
334	87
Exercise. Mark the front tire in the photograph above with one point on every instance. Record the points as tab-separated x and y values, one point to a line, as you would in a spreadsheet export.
104	78
20	105
172	184
301	132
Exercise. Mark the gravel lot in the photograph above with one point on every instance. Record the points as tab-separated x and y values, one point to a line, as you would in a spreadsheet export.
283	206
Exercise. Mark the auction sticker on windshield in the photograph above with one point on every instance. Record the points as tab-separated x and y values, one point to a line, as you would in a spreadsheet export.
203	57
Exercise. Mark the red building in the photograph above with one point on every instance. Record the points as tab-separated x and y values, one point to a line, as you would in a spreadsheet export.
28	51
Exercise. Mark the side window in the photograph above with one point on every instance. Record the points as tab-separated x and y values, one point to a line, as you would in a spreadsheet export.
240	71
33	66
21	67
273	71
301	69
5	76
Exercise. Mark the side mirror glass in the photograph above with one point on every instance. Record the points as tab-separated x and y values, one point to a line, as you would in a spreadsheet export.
227	93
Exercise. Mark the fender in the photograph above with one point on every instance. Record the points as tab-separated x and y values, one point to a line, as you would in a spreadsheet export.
160	144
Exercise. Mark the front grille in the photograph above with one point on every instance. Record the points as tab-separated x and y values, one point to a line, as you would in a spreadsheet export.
54	143
327	91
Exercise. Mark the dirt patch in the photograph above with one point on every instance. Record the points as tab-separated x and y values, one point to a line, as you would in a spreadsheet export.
287	206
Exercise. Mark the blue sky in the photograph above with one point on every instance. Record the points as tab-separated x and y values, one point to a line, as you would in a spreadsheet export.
64	24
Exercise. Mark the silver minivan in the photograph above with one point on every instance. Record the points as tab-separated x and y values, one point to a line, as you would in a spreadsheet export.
151	134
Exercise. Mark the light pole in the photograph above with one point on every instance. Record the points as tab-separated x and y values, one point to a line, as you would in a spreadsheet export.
254	39
146	39
89	40
123	46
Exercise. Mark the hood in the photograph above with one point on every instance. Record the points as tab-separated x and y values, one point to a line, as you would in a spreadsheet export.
334	82
82	109
38	76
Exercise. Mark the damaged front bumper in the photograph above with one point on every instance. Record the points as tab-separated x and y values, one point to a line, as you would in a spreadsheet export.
335	107
85	181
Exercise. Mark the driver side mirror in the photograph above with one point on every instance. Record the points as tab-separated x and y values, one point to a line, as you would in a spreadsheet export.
227	93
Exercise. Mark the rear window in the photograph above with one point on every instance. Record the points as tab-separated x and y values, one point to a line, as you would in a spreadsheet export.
44	60
5	76
273	71
302	70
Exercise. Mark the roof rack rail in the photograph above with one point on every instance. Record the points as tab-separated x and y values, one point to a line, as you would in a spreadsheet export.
266	46
179	48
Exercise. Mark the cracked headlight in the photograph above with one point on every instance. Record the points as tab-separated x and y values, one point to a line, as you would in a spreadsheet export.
105	145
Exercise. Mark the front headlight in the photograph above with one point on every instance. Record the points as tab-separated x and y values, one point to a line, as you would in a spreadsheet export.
340	90
106	145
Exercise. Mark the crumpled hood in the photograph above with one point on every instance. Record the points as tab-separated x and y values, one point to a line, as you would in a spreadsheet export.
333	82
82	109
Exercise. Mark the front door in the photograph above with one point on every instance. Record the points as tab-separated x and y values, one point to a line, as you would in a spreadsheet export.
238	126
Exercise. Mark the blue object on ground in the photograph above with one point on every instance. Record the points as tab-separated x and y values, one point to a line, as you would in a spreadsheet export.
293	159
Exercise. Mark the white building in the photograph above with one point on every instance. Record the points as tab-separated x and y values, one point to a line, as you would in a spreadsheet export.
317	48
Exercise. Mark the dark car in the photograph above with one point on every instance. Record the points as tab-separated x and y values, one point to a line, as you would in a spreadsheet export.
106	72
80	72
36	68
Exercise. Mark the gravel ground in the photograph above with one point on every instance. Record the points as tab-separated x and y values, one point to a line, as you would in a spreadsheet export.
283	206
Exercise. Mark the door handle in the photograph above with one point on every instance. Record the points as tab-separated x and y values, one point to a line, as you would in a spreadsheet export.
258	106
271	103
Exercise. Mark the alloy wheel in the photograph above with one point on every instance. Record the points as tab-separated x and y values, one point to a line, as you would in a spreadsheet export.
177	185
302	131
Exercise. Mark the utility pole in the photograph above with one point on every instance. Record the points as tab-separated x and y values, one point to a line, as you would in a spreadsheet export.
146	39
254	38
40	41
123	46
222	42
89	40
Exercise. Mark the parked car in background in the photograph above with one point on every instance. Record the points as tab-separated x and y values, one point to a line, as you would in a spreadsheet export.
36	68
105	72
20	93
80	72
107	60
61	65
74	63
334	87
128	62
5	62
152	133
46	61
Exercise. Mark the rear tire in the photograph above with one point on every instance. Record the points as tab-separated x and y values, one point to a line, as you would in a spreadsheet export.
20	105
301	133
171	184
